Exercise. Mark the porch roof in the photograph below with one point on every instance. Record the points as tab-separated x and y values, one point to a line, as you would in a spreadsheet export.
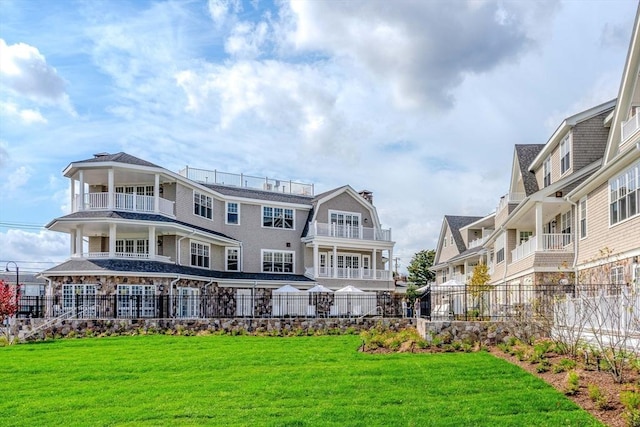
115	266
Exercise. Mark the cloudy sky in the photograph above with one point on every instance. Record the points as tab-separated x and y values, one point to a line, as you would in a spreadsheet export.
420	102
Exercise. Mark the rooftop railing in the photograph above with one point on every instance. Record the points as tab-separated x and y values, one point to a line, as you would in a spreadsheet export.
216	177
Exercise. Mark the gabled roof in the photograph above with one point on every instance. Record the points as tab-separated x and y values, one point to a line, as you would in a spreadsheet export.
566	126
455	224
120	157
163	268
525	155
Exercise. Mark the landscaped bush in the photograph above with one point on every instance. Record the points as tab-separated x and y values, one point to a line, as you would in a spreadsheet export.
598	397
564	365
573	383
631	402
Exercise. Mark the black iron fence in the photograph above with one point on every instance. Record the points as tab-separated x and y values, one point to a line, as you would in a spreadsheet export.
210	306
521	301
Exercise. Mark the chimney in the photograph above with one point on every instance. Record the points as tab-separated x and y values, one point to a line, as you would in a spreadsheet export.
367	195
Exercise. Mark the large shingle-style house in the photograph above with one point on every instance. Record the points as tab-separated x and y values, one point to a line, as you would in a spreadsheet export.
534	233
572	212
607	204
141	230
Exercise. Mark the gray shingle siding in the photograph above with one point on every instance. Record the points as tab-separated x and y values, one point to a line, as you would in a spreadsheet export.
589	141
526	153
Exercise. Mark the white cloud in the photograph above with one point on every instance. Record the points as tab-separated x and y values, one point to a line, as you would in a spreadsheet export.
220	10
27	116
16	180
25	71
42	246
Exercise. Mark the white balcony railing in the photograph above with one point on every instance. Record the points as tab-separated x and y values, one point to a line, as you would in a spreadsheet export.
123	202
348	273
509	198
477	242
348	232
550	243
125	255
247	181
630	127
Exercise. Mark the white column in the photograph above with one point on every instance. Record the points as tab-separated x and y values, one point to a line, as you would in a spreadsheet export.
73	207
316	260
152	242
112	240
466	266
390	264
335	262
156	194
112	190
374	265
538	226
81	192
72	242
79	241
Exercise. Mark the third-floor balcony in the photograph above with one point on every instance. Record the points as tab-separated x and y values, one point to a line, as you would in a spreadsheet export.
348	232
550	243
123	202
629	128
508	198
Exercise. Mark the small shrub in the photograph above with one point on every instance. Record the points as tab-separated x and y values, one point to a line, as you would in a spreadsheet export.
504	347
598	397
520	354
573	383
631	402
564	365
543	366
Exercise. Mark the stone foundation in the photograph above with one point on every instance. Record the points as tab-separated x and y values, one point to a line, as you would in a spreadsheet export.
486	333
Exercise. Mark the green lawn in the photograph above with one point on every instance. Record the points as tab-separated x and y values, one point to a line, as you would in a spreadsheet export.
259	381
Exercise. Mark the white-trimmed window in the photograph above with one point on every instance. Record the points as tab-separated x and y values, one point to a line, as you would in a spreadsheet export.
200	254
500	256
546	172
81	298
624	196
136	300
616	276
565	222
233	213
188	302
273	217
583	217
277	261
445	241
345	224
525	236
451	242
202	205
132	246
444	275
233	259
499	248
565	154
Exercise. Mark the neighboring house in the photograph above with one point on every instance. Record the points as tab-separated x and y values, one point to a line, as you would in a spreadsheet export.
460	246
608	203
137	229
534	236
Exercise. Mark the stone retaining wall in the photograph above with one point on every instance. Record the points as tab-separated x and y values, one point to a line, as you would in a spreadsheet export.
260	326
487	333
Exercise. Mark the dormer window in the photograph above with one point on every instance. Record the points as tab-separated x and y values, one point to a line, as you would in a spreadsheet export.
565	154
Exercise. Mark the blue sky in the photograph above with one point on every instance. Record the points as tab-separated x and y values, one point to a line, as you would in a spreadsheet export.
419	102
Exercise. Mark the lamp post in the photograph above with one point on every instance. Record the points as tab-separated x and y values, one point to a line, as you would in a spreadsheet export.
17	276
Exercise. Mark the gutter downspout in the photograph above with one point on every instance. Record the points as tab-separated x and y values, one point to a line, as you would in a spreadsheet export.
207	285
49	294
178	246
171	285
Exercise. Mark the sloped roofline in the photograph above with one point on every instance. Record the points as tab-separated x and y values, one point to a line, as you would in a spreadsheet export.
565	127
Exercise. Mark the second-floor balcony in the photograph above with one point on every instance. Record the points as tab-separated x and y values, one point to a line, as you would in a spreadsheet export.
550	243
629	128
123	202
348	273
348	232
123	255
